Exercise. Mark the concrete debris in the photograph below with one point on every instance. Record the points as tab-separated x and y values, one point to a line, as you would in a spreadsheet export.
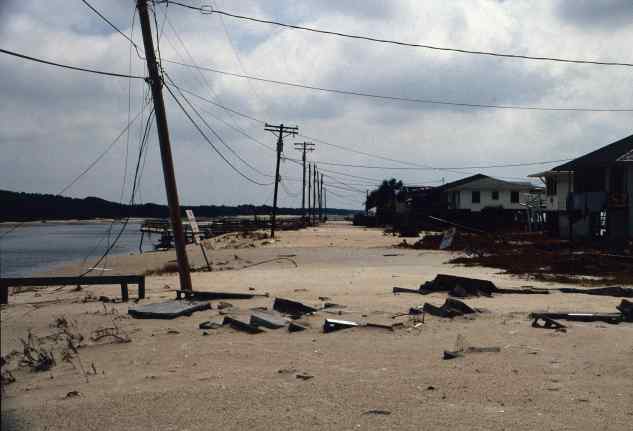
168	309
295	327
292	308
331	325
238	325
209	325
267	320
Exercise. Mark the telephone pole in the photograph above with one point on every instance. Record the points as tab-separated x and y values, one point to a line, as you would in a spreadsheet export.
315	183
321	199
303	147
309	211
156	84
325	203
281	132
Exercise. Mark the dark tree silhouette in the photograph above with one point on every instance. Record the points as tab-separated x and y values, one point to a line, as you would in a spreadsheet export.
384	199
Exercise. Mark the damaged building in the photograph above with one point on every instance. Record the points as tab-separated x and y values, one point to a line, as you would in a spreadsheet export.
590	197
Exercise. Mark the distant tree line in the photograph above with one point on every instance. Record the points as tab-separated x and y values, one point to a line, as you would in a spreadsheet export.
16	206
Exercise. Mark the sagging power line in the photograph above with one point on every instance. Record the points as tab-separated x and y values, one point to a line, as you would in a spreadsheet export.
210	10
401	98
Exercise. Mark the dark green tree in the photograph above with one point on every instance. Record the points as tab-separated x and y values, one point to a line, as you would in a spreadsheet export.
384	199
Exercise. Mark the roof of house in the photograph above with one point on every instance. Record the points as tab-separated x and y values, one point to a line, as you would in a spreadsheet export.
484	182
618	152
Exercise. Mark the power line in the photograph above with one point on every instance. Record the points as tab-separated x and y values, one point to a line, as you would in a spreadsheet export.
206	138
398	98
209	10
435	168
228	147
113	26
66	66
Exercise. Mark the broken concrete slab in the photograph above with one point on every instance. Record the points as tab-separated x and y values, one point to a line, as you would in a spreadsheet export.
168	309
331	325
293	308
267	320
238	325
295	327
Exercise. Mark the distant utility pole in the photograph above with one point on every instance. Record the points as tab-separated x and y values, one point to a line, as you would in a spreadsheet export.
309	211
325	203
321	199
156	84
304	146
315	183
281	132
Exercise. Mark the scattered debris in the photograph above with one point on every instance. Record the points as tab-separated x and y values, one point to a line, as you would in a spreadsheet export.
331	325
267	320
548	323
238	325
304	376
377	412
210	325
295	327
463	287
324	298
73	394
172	331
327	305
451	308
461	349
35	356
626	308
168	309
222	305
616	291
214	296
293	308
113	332
612	318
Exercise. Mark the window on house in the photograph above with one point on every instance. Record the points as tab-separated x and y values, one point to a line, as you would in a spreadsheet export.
514	197
476	197
550	183
495	195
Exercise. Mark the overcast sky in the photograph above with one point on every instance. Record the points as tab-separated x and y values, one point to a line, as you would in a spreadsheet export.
56	122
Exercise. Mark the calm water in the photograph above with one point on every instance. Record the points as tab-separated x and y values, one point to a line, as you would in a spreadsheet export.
35	248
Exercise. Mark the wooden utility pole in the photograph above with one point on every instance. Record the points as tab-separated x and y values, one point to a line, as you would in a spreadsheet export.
281	131
309	210
325	203
303	147
314	192
156	84
321	198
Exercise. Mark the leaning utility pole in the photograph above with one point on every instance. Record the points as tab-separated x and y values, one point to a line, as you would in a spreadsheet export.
281	131
303	147
156	84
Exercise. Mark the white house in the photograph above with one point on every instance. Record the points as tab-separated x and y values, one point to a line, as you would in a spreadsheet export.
481	191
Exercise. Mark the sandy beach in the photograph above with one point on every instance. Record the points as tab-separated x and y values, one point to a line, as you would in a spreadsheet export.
172	375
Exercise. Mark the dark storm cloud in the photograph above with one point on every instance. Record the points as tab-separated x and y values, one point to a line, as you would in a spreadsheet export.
608	15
